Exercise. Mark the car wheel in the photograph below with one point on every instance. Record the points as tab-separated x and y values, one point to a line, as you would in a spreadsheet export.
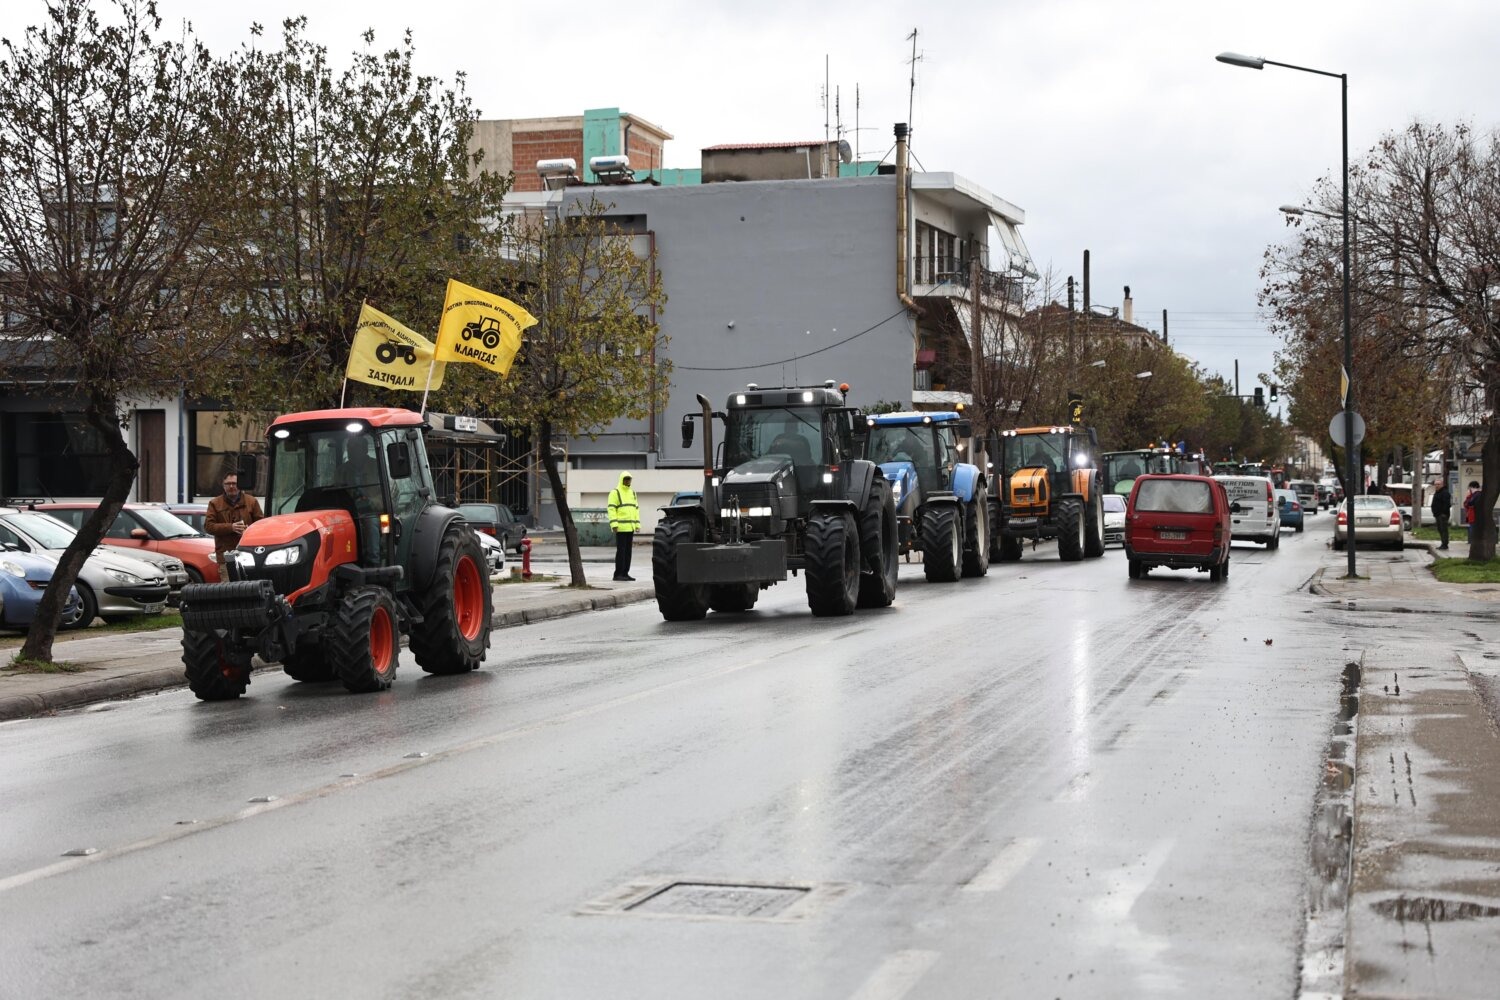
88	610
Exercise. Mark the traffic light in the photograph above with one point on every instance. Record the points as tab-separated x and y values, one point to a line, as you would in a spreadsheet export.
1260	396
1275	391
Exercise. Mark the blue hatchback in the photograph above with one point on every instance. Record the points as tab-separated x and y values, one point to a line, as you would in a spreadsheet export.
1290	509
23	577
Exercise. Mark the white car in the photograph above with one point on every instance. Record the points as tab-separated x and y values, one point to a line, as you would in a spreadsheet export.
1253	516
494	552
1114	518
1377	521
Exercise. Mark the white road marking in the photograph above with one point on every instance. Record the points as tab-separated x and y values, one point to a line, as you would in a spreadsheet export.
896	976
1011	859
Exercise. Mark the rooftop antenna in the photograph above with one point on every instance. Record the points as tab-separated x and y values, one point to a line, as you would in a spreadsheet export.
912	93
856	124
825	102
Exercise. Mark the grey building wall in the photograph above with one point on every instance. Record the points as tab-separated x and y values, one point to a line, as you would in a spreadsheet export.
759	273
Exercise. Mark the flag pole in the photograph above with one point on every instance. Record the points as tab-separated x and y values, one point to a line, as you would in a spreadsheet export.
431	364
344	391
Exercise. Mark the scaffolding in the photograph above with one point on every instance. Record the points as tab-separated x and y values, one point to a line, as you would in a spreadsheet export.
482	461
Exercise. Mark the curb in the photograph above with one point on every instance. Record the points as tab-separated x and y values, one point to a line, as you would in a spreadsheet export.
25	706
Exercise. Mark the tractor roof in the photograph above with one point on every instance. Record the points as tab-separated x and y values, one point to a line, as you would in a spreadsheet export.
907	417
375	416
1018	431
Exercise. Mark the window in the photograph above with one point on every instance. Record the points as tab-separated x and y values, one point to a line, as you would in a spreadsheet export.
51	455
1184	496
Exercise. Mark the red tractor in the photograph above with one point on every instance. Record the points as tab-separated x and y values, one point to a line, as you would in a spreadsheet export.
353	553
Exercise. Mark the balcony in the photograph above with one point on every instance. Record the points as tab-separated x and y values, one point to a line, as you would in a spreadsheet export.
950	278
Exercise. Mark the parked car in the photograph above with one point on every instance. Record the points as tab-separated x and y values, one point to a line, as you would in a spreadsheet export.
494	552
1289	507
23	577
1252	509
1376	522
192	513
1114	518
111	584
686	497
1180	522
146	527
495	519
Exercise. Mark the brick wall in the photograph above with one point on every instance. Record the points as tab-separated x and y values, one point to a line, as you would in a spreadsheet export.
529	147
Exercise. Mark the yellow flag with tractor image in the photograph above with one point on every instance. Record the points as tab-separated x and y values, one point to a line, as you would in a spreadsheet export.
480	328
386	353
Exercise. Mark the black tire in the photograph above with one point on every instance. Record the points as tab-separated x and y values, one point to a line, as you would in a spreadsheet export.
194	576
1338	545
1134	569
456	608
1298	529
942	545
1225	571
733	596
1010	548
1069	530
677	602
879	550
1093	536
88	609
977	533
308	664
832	564
1275	541
1216	573
365	640
215	670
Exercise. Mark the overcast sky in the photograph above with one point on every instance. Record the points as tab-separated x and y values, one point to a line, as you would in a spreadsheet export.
1108	122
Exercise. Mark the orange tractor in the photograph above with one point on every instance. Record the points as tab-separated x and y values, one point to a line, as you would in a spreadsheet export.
354	553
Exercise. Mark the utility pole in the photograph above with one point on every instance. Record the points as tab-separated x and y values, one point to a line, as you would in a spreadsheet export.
1164	339
977	387
1070	326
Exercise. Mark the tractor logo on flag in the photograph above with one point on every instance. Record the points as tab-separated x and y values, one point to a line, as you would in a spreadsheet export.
486	330
390	350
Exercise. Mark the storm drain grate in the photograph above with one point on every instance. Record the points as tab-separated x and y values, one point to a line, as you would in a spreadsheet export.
705	899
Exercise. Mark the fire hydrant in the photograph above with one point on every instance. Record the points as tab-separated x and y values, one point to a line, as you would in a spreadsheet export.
526	558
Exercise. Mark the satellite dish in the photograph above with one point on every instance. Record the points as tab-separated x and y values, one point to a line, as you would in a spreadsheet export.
846	152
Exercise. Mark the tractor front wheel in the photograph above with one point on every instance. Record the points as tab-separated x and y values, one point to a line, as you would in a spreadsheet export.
832	564
365	640
677	602
942	546
1093	539
879	547
456	608
977	534
216	670
1070	530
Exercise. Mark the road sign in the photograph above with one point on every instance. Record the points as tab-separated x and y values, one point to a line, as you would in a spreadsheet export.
1336	429
1344	387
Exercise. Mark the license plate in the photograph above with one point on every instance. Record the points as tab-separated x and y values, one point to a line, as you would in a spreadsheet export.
1369	520
154	609
1175	536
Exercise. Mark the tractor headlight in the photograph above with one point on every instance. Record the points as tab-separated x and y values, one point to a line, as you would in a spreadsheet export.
289	556
243	559
896	488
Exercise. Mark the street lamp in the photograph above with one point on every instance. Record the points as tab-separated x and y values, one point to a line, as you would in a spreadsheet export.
1256	62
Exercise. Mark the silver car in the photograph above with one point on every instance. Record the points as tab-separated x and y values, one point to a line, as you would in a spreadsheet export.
1376	522
114	587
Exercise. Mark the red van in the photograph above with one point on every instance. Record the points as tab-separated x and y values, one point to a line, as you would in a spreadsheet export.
1179	522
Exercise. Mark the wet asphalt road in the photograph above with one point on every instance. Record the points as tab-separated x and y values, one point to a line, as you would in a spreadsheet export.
1049	782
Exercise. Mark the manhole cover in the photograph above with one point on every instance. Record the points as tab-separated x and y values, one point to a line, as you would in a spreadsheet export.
705	899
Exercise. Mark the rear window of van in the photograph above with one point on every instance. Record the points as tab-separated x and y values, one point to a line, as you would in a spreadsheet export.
1177	495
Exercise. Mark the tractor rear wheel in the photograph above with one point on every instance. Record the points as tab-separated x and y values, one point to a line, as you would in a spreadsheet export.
733	596
977	534
1093	539
456	608
942	545
832	564
365	640
1069	530
678	602
216	670
308	664
879	548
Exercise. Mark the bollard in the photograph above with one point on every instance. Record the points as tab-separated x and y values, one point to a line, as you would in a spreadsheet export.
526	558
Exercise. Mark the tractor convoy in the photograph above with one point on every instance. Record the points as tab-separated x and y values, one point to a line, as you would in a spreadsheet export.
356	552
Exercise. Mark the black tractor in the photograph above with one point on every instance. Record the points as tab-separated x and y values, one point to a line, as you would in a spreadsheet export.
786	491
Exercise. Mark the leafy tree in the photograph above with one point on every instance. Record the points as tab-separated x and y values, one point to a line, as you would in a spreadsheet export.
593	356
116	149
361	186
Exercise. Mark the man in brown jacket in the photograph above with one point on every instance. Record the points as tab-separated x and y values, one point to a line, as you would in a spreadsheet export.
227	516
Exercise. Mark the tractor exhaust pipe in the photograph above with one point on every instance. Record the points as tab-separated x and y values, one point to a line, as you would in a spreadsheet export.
710	500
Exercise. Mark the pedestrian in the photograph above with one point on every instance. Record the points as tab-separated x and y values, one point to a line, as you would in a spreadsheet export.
624	521
229	514
1442	504
1471	509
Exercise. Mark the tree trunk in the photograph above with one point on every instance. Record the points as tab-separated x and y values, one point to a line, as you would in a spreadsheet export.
102	415
1484	518
560	497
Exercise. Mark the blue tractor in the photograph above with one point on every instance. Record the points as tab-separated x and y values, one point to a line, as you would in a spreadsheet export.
942	502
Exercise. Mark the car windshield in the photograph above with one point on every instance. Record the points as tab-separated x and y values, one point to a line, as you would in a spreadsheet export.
1114	503
165	524
44	530
1184	496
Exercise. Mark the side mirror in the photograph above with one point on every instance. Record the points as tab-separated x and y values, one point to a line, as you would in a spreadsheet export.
687	432
398	460
963	429
139	534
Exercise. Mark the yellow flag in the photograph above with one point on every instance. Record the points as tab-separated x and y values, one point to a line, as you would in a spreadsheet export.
386	353
480	328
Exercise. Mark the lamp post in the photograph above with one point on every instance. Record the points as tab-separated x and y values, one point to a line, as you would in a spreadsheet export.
1352	478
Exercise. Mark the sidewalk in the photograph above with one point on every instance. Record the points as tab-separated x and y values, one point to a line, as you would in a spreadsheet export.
1423	904
124	664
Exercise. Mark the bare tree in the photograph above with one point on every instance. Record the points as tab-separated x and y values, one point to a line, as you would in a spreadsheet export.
115	148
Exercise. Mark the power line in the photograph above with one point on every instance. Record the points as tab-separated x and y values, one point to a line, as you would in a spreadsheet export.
795	357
